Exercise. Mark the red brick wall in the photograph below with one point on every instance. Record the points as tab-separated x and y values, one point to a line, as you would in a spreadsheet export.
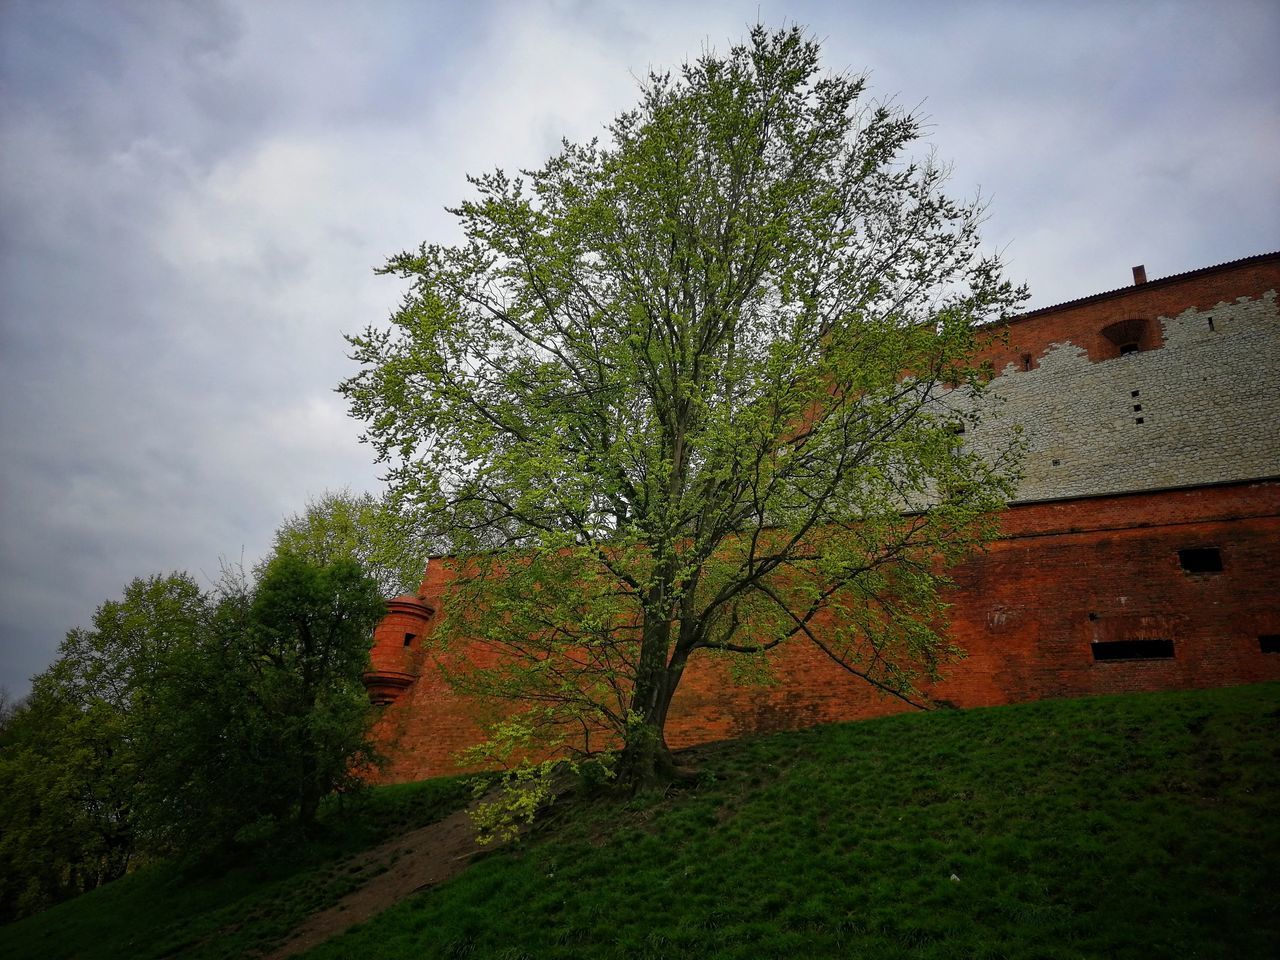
1081	322
1063	575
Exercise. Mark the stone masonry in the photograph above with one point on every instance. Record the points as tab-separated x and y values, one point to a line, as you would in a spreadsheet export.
1202	408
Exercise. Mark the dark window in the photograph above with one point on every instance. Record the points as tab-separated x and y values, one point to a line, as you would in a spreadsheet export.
1124	337
1026	361
1133	393
1211	324
1139	420
1132	650
1201	560
408	638
1269	643
1137	408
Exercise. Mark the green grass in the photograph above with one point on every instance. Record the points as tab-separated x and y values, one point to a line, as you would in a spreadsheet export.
1140	826
231	910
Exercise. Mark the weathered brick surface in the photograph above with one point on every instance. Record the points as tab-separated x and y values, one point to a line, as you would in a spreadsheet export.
1068	571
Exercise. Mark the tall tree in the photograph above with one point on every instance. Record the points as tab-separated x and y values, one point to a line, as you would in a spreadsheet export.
311	631
266	715
690	391
71	757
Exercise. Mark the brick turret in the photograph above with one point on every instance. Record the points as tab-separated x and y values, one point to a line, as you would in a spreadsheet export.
397	646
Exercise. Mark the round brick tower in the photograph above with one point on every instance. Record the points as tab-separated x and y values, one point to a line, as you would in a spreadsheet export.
397	644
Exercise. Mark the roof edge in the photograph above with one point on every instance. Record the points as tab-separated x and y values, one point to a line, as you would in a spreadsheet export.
1157	282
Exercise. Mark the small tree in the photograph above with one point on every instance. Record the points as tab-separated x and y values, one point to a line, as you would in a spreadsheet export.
687	393
179	718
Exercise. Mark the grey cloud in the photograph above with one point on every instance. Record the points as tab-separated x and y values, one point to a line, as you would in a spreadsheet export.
192	198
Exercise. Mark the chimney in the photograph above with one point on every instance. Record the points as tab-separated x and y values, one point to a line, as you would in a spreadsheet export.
1139	274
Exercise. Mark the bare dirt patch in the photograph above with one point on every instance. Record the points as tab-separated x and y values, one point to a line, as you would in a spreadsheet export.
414	861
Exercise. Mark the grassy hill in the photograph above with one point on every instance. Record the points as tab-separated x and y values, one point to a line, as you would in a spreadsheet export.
1139	826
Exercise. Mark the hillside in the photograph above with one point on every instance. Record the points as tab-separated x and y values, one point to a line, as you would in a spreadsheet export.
1138	826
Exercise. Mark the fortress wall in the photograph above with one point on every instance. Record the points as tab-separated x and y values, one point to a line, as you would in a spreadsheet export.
1203	408
1082	321
1063	575
1090	554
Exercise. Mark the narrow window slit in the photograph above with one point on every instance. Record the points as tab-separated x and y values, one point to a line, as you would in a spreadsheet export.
1201	559
1132	650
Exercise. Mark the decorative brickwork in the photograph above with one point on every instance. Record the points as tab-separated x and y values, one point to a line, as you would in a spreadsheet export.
1092	568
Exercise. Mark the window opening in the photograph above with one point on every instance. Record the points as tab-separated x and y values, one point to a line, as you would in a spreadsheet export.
1137	408
1211	324
1124	337
409	638
1139	420
1133	393
1201	560
1105	650
1269	643
1026	361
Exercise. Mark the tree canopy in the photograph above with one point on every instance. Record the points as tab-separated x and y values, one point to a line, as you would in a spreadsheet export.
692	390
341	525
182	717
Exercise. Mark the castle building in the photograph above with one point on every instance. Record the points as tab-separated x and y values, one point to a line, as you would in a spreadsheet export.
1141	552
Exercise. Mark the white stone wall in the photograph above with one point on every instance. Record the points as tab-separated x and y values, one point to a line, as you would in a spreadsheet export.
1209	398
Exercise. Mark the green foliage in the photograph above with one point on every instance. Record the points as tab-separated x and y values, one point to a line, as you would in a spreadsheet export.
71	757
346	526
310	646
523	791
655	401
267	715
179	719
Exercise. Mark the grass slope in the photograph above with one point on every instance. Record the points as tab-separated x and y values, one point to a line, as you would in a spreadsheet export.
1138	826
216	912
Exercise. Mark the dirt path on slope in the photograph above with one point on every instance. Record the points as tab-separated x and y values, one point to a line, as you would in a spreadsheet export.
415	861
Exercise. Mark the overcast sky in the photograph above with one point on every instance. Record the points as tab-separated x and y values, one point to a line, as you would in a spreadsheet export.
193	196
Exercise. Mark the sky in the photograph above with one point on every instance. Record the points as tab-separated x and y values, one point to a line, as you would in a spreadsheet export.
194	196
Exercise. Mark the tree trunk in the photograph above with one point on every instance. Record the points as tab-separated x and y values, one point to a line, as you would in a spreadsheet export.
307	810
310	793
646	759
